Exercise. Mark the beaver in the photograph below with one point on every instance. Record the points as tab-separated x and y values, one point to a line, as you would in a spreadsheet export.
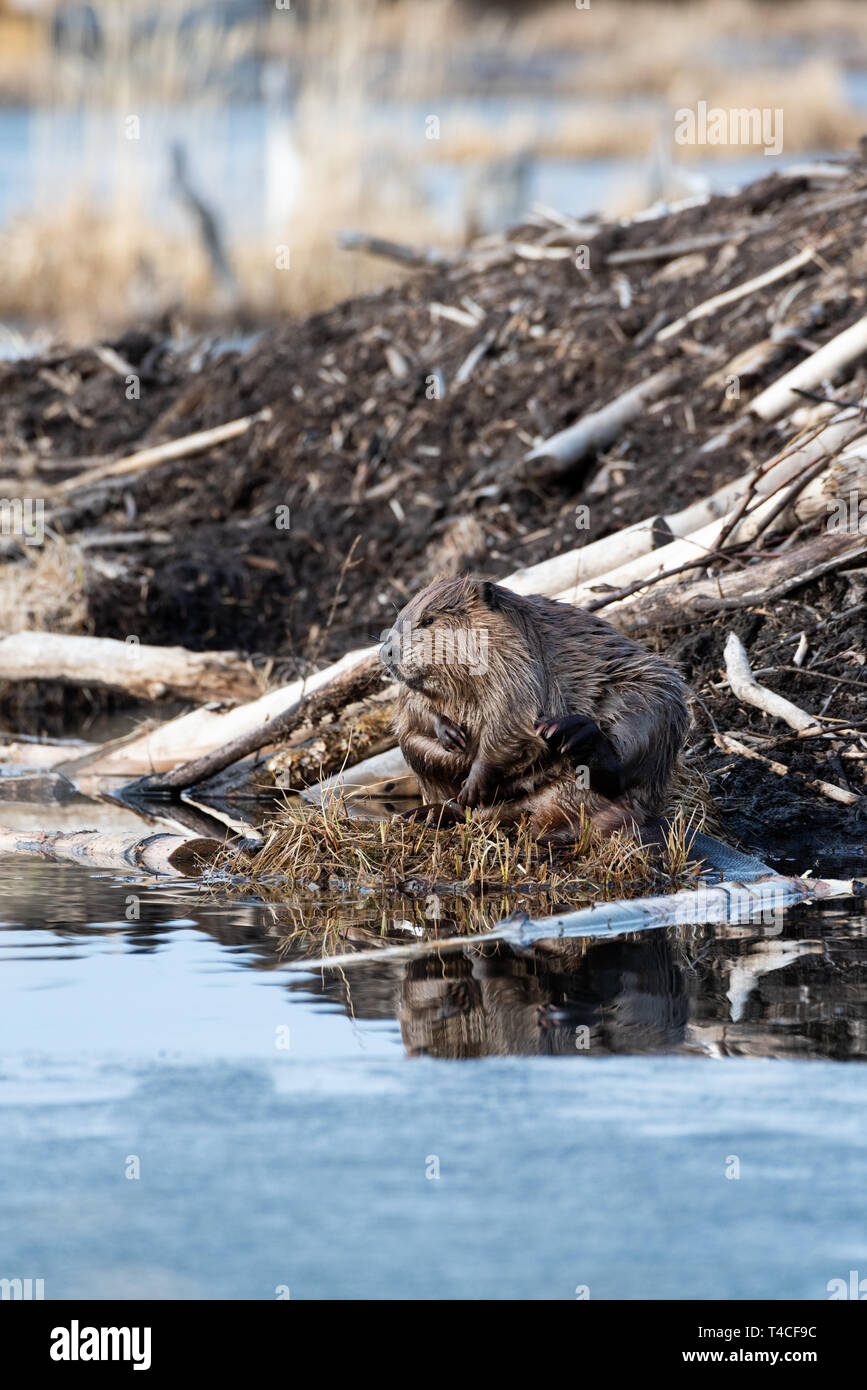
519	705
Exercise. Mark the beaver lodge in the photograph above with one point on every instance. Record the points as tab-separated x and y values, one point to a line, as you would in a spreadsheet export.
661	419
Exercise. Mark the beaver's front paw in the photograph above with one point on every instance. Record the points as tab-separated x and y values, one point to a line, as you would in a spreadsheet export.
569	734
480	787
452	737
582	739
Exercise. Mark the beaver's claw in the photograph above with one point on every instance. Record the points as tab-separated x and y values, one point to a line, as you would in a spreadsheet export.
452	737
479	788
569	734
434	813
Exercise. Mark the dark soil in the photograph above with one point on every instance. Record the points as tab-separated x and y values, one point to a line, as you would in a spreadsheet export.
386	486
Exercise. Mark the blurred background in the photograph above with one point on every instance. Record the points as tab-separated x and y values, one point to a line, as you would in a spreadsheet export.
196	162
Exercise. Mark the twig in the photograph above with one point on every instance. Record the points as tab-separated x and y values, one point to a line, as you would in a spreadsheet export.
719	301
791	493
700	563
414	256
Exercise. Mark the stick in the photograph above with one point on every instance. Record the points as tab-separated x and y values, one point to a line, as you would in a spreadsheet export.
747	689
601	427
667	251
185	447
823	365
150	673
733	745
719	301
415	256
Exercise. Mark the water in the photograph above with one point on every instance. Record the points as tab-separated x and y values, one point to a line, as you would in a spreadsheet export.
244	161
288	1128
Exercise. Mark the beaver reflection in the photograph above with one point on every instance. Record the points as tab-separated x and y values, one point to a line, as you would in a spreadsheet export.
575	999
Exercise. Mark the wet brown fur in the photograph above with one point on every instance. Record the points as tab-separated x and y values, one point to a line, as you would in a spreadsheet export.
543	658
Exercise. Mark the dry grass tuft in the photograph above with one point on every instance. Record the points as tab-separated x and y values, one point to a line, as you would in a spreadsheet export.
325	847
44	591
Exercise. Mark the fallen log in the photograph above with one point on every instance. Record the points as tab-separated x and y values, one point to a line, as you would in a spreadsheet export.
173	856
600	557
359	681
149	673
385	774
27	752
160	748
672	605
813	502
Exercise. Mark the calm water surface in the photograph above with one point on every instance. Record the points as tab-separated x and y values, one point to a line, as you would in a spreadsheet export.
667	1115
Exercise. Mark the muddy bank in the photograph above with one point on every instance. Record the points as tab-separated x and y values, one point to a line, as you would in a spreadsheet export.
395	448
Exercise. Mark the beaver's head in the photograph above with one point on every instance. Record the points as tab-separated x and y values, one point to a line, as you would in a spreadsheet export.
440	639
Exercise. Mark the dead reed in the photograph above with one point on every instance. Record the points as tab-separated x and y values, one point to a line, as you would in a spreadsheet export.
325	847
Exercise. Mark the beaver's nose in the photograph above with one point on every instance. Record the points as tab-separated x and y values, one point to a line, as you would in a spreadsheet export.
388	654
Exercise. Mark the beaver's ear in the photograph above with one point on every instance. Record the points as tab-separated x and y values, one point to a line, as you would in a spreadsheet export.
488	593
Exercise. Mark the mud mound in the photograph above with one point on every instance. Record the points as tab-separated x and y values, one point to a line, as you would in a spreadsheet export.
400	422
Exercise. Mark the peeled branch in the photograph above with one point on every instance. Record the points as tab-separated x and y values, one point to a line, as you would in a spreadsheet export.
598	558
600	428
747	689
823	365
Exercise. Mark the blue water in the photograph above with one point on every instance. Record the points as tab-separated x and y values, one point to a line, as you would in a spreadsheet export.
286	1131
52	158
311	1173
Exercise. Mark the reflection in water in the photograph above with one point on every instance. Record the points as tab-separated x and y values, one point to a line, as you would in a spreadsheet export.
797	987
720	991
615	996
